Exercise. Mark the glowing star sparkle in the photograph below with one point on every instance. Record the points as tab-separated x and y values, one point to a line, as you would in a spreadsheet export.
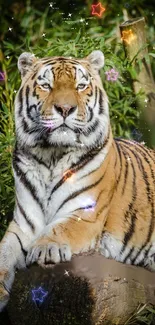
68	175
128	36
66	273
38	295
97	10
112	75
88	204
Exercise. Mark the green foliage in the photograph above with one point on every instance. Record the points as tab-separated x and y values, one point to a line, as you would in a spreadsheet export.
143	315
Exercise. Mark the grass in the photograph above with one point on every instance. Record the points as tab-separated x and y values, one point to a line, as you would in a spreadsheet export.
143	315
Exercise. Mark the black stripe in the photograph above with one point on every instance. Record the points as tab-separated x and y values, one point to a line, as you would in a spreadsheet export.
39	161
142	262
101	101
130	231
147	251
94	170
25	181
105	204
126	173
138	253
134	192
91	129
83	76
27	102
25	126
27	96
25	216
27	129
59	60
90	94
91	114
34	75
44	74
20	98
21	245
82	190
96	93
47	61
40	78
28	107
128	255
120	160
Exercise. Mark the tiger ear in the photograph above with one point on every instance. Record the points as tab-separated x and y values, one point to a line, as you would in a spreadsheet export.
25	62
96	58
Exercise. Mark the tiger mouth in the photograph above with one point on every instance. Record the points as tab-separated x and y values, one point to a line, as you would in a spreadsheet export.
50	127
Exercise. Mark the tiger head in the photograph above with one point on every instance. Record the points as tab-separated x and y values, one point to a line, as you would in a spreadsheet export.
61	102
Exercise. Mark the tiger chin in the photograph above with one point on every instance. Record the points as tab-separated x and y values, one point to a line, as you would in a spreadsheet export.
77	188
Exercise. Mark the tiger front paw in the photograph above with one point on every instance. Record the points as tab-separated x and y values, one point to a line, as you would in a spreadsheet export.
49	253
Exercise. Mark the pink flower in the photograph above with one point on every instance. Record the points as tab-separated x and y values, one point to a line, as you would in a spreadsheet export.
112	75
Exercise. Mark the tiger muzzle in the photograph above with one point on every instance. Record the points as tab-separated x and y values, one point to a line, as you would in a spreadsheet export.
65	110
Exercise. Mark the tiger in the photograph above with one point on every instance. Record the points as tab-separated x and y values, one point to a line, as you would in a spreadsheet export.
77	188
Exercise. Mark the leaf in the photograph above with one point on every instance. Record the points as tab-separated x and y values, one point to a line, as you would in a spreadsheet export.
152	54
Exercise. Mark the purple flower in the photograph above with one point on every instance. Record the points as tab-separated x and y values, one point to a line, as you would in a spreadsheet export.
2	76
112	75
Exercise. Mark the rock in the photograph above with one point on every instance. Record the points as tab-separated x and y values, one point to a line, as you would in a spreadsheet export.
88	290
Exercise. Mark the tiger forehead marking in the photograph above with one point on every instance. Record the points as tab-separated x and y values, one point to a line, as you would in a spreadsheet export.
62	73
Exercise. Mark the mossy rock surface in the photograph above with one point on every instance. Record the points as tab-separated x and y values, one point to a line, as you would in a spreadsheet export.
56	307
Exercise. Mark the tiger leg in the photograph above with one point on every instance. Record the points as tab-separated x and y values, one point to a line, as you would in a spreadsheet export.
61	241
12	255
112	247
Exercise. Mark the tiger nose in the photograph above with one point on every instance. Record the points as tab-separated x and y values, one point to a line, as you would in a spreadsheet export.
65	110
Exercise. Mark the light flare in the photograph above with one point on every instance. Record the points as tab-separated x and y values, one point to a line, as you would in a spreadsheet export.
128	36
69	175
97	10
39	295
